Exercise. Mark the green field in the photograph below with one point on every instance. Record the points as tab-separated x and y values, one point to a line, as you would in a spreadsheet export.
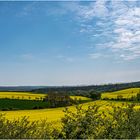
127	93
16	104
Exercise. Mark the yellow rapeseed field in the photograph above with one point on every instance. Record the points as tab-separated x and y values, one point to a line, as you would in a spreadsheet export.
21	95
127	93
32	96
81	98
54	114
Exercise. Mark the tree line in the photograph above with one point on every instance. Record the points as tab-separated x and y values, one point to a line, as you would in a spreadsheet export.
87	90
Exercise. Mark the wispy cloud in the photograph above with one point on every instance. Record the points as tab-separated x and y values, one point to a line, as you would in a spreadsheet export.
118	21
127	29
28	9
87	12
121	25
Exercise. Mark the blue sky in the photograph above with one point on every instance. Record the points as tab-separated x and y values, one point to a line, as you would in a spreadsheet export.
69	43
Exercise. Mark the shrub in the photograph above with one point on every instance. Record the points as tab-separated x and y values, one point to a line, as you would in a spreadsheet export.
92	123
123	123
23	128
119	97
119	123
138	96
95	96
81	124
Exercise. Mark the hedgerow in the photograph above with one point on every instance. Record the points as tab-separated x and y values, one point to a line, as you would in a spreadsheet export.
92	123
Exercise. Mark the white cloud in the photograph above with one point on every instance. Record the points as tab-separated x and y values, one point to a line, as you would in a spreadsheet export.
118	20
87	12
128	32
122	25
125	21
129	57
100	8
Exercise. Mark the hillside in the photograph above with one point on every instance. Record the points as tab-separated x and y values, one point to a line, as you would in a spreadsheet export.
96	88
28	101
21	95
75	90
127	93
55	114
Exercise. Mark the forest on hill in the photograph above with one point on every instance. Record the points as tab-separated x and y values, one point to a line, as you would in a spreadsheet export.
74	90
88	90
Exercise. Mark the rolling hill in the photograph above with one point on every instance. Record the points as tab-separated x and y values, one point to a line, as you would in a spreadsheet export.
127	93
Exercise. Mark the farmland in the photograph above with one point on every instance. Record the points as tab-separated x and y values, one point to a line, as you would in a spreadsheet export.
31	96
61	121
27	101
24	99
55	114
127	93
16	104
21	95
80	98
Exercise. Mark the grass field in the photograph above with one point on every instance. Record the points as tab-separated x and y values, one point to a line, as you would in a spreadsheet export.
16	104
127	93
